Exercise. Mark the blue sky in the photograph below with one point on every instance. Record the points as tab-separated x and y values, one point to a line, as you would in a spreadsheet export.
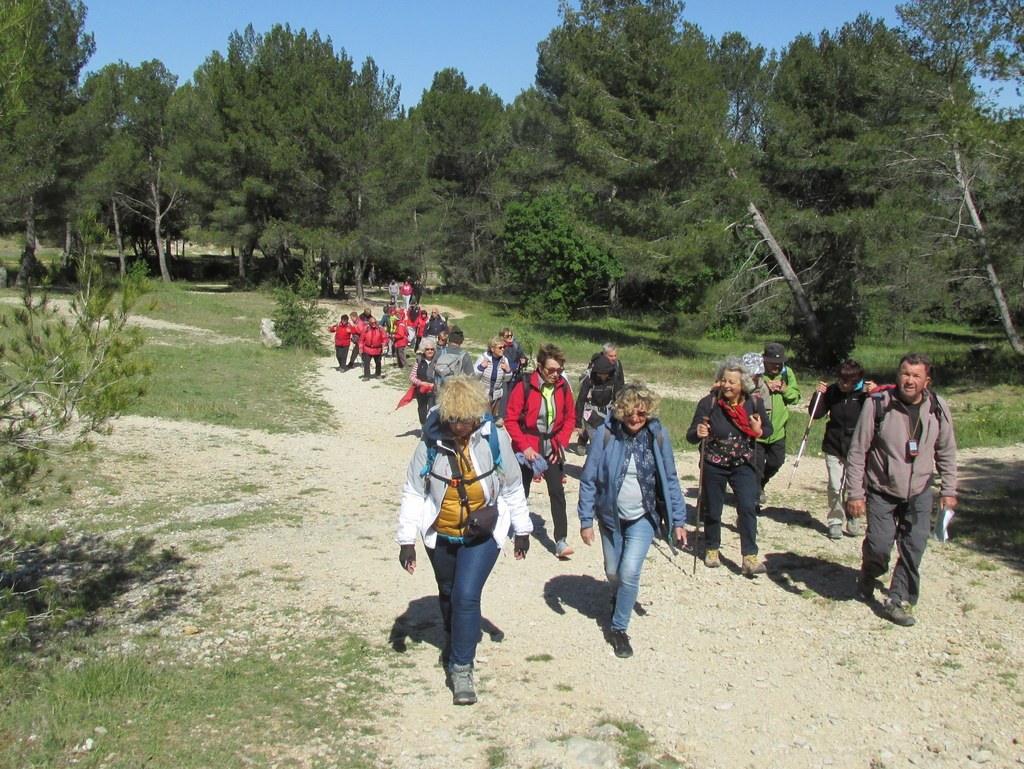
493	42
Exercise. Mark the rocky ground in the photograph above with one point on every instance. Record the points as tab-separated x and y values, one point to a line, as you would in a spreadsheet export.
786	671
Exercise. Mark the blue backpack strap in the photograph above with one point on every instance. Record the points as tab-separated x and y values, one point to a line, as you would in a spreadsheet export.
493	442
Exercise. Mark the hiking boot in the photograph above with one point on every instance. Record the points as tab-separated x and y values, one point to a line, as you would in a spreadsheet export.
463	691
898	612
865	588
853	527
562	549
752	566
835	531
620	643
711	559
763	499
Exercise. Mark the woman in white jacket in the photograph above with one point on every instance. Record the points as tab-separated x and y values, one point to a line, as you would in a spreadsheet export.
494	370
463	492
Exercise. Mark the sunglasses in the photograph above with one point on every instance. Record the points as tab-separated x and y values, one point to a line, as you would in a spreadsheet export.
552	370
461	421
429	349
637	414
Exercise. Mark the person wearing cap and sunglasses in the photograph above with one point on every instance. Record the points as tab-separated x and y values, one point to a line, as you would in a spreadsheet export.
464	463
630	470
540	418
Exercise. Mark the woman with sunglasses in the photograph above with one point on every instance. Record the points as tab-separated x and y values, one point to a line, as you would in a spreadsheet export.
540	419
464	464
630	473
422	375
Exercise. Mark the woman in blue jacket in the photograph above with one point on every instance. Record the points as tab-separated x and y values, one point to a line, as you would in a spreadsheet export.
630	486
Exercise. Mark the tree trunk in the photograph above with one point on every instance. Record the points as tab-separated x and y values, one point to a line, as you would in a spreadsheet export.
242	252
29	268
326	280
65	258
117	236
161	254
1005	315
803	303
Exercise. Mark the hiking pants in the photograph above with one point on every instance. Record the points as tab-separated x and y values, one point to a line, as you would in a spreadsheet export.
774	459
908	524
341	353
366	364
355	351
836	467
743	480
400	356
461	569
556	491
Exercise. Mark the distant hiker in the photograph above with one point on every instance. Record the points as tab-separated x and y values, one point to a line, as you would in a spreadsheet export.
903	436
451	360
597	391
842	402
436	323
629	469
726	424
783	390
405	290
359	325
393	289
540	419
342	340
371	277
610	352
493	369
422	376
513	353
419	324
371	345
400	339
462	495
417	291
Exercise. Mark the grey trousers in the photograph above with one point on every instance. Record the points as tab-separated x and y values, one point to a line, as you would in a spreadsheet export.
908	524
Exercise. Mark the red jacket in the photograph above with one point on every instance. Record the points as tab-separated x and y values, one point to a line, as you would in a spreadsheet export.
401	336
421	324
372	341
342	334
521	415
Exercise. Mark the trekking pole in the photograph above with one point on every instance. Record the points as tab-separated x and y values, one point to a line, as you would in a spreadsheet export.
700	504
803	443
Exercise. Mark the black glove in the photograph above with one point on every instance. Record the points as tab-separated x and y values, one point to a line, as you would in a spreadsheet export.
522	545
407	555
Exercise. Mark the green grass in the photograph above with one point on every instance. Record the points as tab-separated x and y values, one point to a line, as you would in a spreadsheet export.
540	658
234	313
153	710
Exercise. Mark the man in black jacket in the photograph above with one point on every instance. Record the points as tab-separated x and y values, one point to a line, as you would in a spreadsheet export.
842	401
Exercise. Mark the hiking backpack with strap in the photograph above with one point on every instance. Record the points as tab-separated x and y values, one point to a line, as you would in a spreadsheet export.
447	365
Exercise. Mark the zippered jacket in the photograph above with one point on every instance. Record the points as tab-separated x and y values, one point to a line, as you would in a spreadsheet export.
880	462
523	411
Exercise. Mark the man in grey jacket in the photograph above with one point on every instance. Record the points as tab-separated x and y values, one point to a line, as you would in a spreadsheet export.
902	437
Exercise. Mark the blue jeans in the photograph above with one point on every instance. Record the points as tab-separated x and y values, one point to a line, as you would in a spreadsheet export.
745	486
461	569
625	549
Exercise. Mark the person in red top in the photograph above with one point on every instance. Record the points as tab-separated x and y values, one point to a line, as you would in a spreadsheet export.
359	324
540	419
371	345
401	339
406	291
420	323
342	339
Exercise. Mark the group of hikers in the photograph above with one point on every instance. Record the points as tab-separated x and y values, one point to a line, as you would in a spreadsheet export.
491	429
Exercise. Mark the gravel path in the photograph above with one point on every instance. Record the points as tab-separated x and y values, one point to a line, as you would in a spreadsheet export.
787	671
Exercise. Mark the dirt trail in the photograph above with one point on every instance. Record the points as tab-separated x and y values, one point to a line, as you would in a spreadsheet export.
786	671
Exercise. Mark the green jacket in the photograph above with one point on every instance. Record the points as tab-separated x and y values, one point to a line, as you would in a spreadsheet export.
778	404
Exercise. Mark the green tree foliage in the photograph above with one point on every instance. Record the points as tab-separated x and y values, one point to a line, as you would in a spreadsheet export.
298	317
67	369
34	143
640	130
20	50
551	261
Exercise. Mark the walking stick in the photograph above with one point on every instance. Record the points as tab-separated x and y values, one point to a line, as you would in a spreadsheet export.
700	504
803	443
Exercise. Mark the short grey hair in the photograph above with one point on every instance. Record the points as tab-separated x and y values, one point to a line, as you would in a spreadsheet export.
733	363
609	346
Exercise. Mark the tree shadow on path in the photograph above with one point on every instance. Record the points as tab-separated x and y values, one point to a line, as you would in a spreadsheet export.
824	578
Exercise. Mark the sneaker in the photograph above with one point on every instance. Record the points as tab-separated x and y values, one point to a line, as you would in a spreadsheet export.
853	527
620	643
562	549
763	499
897	612
752	566
463	691
711	559
865	588
835	531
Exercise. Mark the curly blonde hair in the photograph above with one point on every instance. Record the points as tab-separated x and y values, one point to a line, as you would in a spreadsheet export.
461	399
635	397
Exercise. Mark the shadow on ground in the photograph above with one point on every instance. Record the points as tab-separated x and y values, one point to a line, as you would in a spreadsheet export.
61	585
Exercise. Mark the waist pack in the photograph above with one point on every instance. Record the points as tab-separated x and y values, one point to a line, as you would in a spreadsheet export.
729	451
481	522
